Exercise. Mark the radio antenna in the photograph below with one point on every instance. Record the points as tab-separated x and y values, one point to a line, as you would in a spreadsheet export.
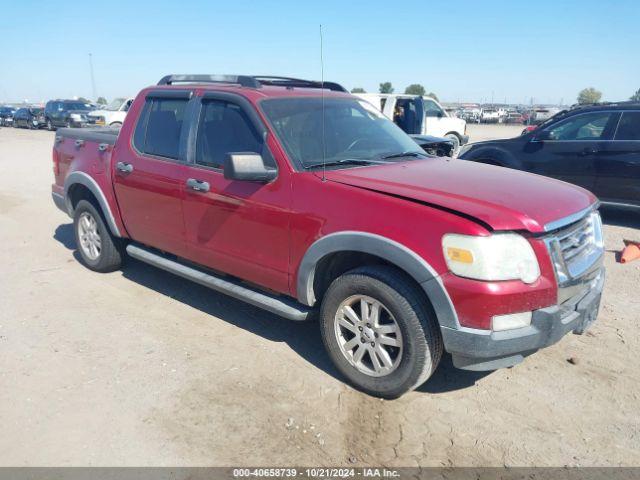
322	113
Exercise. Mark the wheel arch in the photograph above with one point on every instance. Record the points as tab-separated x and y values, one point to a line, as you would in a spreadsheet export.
453	132
75	186
354	248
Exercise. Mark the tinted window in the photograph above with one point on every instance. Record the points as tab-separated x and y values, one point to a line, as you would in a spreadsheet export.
629	126
158	131
224	128
588	126
75	106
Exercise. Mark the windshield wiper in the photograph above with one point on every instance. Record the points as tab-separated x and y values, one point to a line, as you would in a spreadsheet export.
404	154
343	161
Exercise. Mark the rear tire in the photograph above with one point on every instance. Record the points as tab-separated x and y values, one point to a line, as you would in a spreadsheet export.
404	327
98	249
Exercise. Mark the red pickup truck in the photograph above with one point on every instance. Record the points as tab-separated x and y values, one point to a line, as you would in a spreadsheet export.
302	199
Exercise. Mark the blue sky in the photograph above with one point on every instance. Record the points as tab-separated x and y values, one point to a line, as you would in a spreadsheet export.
461	50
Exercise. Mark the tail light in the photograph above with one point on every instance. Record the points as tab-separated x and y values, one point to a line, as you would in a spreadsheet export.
56	163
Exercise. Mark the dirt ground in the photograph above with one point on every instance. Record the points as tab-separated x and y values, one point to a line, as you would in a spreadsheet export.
138	367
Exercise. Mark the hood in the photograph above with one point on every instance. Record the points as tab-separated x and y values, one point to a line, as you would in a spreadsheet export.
501	198
96	113
81	112
424	139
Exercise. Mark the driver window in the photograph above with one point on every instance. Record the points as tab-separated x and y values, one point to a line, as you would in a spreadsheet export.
589	126
431	109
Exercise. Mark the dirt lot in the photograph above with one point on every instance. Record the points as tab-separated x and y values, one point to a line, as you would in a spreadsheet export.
141	368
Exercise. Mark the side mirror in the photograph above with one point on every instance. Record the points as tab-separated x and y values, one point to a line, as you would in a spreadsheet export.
541	136
440	114
249	167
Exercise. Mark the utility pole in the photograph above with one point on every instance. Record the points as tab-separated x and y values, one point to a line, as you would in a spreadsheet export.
93	80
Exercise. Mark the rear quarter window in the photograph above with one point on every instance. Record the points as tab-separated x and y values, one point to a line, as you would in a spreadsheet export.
629	126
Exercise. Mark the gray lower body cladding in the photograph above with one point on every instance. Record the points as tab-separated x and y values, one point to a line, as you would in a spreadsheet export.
472	350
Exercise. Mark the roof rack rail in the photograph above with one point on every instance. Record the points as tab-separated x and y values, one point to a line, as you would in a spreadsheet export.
242	80
297	82
251	81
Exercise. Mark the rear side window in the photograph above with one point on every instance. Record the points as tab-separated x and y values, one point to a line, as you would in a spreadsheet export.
629	126
588	126
160	126
224	128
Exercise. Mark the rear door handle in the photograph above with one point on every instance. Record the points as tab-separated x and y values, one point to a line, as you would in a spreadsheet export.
124	167
197	185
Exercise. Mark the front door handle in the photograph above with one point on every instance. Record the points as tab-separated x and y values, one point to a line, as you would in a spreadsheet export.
124	167
197	185
588	151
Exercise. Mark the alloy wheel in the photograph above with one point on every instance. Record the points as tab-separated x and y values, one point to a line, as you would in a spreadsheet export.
368	335
90	240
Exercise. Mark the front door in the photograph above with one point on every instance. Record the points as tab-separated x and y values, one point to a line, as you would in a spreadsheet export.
568	149
237	227
435	119
148	174
618	163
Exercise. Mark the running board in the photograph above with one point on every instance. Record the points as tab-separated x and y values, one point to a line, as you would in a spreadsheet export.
287	308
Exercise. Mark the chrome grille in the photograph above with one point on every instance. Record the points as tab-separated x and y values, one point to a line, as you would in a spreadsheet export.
576	248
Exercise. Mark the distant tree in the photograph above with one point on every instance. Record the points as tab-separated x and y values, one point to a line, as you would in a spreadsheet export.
433	95
83	100
589	95
415	89
636	96
101	101
358	90
386	87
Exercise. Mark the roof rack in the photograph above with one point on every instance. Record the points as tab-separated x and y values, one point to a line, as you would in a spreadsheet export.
297	82
605	104
251	81
242	80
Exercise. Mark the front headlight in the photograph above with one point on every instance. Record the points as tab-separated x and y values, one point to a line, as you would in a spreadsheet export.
501	256
76	116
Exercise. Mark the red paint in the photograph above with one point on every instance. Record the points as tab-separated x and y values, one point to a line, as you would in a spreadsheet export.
261	232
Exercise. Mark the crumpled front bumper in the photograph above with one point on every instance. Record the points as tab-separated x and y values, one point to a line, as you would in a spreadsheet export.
473	349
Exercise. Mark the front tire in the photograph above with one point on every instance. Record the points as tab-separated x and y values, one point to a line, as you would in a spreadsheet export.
50	126
99	250
455	140
379	331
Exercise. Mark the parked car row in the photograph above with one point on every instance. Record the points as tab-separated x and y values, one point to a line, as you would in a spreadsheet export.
66	113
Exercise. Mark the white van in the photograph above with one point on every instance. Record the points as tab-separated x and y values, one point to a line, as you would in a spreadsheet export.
418	115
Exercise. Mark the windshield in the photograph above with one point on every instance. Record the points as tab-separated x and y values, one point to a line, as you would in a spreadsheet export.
115	104
353	130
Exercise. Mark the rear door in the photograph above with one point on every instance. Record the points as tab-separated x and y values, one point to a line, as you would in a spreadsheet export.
238	227
618	163
570	148
148	173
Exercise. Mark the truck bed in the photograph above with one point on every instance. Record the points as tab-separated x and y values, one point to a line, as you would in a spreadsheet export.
106	135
